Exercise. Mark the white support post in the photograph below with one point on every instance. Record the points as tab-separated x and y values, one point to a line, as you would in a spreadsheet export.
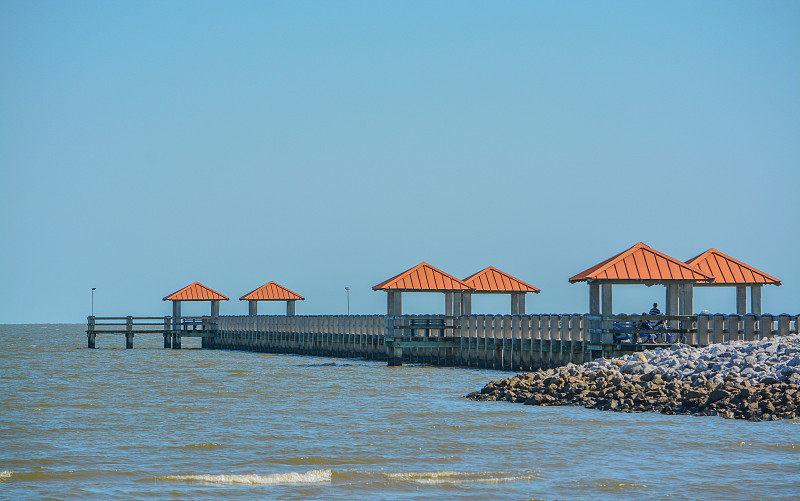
755	299
741	299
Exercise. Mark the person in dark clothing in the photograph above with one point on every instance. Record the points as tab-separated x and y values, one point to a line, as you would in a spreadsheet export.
654	310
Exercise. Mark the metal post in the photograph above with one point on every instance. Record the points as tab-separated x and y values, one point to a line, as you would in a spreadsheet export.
93	289
348	299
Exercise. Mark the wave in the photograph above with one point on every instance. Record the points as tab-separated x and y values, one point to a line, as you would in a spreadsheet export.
309	477
5	474
463	477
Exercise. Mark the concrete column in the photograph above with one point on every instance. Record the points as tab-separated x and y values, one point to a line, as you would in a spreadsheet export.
448	304
672	300
607	300
686	299
741	299
176	315
290	308
390	303
594	310
129	332
466	303
517	303
215	308
594	299
252	307
607	305
398	303
457	304
755	300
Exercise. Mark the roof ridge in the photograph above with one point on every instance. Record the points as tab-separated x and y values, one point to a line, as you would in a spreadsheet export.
420	266
512	278
752	269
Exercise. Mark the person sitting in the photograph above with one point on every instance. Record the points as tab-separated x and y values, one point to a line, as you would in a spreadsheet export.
654	310
645	325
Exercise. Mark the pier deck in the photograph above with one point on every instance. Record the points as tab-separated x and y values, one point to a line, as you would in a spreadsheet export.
506	342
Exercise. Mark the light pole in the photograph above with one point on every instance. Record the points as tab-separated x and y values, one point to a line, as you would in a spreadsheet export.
93	289
348	299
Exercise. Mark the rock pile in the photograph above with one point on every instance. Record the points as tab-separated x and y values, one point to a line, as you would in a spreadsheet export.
757	380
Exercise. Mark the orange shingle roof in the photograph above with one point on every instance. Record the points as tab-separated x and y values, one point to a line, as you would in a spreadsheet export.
729	271
423	278
271	292
639	264
493	280
196	292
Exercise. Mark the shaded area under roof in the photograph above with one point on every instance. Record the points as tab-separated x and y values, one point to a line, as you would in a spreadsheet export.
641	264
196	292
491	280
728	271
423	278
272	292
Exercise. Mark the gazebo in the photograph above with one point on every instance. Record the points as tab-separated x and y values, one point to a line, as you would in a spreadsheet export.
421	278
730	272
642	265
272	292
194	292
493	281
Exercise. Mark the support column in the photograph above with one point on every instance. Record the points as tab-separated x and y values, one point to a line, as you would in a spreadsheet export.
594	310
167	335
608	338
457	304
91	334
741	299
215	307
398	303
290	308
448	304
672	303
129	333
466	303
755	299
252	307
521	303
176	315
390	303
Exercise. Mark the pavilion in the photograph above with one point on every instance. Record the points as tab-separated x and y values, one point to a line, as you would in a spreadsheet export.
194	292
642	265
272	292
422	278
730	272
493	281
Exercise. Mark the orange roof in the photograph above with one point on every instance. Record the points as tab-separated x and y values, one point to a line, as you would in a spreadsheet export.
271	292
493	280
196	292
640	264
729	271
423	278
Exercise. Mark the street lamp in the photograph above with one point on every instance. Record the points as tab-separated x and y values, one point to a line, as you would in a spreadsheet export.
93	289
348	299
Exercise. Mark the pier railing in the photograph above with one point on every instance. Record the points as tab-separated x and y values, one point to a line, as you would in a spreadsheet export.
511	342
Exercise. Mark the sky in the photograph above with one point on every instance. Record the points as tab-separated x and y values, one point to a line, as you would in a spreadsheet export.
323	145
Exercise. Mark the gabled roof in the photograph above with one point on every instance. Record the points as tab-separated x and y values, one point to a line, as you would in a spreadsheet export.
423	278
493	280
271	292
641	264
729	271
196	292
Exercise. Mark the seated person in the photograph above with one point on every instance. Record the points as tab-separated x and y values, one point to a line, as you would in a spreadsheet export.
654	310
644	324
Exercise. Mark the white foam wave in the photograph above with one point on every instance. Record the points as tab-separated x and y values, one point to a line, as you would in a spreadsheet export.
309	477
460	477
6	474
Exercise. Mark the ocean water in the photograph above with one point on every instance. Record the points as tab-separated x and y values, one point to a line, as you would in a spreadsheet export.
150	423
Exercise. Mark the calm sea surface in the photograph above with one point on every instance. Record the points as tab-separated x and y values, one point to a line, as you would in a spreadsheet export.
150	423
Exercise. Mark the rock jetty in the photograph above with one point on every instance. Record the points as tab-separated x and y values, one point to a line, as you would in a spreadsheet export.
757	381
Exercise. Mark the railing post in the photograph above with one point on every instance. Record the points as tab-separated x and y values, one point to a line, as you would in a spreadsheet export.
783	324
129	332
91	333
765	326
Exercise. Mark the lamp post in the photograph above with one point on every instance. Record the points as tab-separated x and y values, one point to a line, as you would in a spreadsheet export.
348	299
93	289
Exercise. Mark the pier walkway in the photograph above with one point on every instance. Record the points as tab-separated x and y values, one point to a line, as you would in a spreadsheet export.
506	342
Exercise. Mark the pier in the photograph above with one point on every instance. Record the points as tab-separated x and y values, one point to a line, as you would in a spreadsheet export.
503	342
518	341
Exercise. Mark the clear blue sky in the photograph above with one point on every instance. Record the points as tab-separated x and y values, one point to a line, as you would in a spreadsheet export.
146	145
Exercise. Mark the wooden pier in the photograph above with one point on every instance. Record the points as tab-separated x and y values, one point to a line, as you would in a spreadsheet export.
504	342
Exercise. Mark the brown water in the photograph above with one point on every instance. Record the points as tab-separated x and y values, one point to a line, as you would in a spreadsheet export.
153	423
